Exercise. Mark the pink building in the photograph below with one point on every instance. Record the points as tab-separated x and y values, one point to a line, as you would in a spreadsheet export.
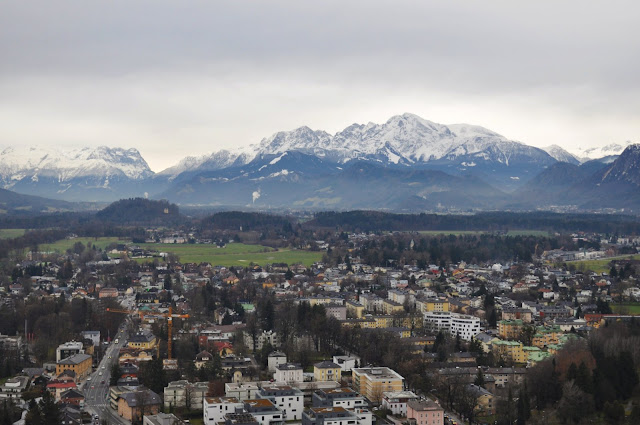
425	412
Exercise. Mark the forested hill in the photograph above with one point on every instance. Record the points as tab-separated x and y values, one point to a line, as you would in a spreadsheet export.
140	210
370	221
247	221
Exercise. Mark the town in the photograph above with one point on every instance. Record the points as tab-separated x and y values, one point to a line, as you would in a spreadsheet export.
126	334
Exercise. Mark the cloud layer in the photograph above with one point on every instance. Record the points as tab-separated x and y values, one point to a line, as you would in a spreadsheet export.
184	78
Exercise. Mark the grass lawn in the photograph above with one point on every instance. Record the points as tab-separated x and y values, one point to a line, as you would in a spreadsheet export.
11	233
602	265
626	308
64	244
235	254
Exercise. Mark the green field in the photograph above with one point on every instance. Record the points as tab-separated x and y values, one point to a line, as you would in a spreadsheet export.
63	245
11	233
600	266
235	254
626	308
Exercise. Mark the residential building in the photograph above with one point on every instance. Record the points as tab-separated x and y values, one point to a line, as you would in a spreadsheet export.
456	324
143	339
510	351
264	411
133	406
185	394
68	349
288	399
162	419
265	337
372	382
338	311
93	336
396	401
510	329
13	388
425	412
329	416
347	363
432	304
80	364
288	372
354	309
327	371
338	397
275	359
239	419
485	403
241	390
215	408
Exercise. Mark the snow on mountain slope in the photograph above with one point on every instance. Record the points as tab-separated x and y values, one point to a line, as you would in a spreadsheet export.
586	154
34	162
561	154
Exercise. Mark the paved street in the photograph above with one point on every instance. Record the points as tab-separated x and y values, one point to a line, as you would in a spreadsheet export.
96	389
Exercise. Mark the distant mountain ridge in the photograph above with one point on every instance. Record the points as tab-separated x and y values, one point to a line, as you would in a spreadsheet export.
406	163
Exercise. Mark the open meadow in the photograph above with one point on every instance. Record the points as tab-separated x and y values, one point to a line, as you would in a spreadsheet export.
63	245
235	254
601	265
11	233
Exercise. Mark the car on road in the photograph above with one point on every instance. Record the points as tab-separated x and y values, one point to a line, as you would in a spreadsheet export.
109	356
102	382
89	379
93	387
104	367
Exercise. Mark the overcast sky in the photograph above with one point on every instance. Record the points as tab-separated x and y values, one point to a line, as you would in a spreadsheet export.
178	78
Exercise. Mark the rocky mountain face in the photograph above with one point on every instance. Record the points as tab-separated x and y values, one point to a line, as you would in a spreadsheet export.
561	155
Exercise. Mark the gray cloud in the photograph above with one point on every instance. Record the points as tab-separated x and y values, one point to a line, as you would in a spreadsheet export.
200	75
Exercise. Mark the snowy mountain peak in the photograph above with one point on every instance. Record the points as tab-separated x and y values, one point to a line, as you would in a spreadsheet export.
561	155
18	162
586	154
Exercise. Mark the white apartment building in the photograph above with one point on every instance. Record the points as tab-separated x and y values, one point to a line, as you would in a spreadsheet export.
456	324
214	408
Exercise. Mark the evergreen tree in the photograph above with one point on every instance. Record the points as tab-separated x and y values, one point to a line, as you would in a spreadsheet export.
50	410
480	379
168	283
34	415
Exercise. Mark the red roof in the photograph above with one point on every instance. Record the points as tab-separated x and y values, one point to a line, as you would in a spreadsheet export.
61	385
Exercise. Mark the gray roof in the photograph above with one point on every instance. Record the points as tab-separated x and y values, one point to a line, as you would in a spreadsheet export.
150	398
75	359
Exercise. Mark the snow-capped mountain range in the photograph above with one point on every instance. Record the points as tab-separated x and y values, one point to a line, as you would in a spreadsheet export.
419	154
403	140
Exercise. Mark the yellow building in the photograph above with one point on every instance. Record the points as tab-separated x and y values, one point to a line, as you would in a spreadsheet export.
546	336
144	340
372	382
510	329
354	309
433	304
392	307
327	371
80	364
509	351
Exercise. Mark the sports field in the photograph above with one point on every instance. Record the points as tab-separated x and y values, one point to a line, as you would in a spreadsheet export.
235	254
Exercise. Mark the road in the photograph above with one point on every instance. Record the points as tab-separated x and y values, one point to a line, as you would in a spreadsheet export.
96	389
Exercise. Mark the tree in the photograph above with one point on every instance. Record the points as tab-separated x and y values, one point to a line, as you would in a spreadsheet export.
116	373
50	410
575	404
479	379
34	415
168	283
